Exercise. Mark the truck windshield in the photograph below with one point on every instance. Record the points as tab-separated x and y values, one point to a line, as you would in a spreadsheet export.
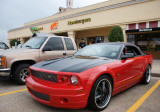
34	43
100	50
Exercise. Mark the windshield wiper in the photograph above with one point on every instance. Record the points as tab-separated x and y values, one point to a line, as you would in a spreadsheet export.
28	46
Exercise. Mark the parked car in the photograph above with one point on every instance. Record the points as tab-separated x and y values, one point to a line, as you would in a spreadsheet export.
15	62
3	46
90	77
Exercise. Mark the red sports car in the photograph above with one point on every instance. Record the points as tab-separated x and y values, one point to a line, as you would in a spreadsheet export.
90	77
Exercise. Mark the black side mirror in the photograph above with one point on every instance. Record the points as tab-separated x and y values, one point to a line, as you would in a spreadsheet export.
47	48
127	55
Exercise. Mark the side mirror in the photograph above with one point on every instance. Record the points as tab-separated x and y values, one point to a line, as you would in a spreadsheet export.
127	55
47	48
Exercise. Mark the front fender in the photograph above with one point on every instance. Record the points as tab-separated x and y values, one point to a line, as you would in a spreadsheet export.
93	74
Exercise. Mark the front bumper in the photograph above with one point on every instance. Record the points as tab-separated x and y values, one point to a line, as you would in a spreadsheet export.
5	72
56	95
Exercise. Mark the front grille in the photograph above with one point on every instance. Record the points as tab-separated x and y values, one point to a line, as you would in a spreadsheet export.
39	95
45	76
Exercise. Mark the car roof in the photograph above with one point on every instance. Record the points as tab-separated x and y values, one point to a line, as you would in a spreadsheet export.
49	35
117	43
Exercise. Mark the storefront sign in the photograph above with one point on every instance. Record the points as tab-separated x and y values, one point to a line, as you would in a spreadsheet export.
41	28
34	29
54	25
81	21
145	30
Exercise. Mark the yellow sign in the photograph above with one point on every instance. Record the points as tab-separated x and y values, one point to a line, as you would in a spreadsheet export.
82	21
41	28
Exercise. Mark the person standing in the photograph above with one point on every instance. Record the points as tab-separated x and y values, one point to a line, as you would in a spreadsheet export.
82	44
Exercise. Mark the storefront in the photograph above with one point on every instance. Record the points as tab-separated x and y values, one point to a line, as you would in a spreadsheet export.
146	35
139	20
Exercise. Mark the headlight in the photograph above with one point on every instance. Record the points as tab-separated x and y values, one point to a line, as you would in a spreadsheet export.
74	80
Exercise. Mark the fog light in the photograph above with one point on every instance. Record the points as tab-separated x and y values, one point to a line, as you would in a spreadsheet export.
74	80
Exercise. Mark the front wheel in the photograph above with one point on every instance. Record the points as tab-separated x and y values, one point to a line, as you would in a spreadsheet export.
147	75
100	94
20	73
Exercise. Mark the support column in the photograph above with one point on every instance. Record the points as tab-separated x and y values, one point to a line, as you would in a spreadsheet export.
22	41
124	32
72	34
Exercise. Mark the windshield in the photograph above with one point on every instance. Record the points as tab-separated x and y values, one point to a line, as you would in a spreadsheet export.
100	50
34	43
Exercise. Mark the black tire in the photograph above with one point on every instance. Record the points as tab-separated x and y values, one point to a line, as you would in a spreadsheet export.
100	94
147	75
20	72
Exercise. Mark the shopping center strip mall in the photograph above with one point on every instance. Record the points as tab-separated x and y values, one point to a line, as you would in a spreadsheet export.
139	19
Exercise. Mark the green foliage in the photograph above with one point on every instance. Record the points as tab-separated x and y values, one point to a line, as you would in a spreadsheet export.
12	42
116	34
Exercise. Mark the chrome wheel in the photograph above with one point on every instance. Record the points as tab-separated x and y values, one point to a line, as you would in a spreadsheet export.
148	74
103	93
24	73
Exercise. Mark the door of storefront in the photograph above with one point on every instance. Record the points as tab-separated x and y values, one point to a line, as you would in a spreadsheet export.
148	42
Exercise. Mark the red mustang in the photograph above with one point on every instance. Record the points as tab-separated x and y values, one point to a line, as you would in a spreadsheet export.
90	77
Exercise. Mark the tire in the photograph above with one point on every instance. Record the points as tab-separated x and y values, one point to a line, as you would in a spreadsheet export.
20	73
147	75
100	94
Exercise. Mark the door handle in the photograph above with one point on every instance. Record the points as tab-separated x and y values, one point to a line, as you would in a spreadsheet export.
64	54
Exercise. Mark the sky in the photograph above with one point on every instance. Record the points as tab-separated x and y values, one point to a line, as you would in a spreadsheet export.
14	13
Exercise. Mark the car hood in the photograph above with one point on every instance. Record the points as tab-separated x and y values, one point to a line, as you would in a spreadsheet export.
16	51
74	64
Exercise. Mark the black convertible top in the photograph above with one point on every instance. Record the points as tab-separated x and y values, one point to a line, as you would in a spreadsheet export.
121	43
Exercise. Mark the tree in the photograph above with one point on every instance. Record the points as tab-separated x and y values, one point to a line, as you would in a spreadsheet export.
116	34
12	42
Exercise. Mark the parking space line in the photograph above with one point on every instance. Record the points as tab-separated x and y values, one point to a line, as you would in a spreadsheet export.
143	98
12	92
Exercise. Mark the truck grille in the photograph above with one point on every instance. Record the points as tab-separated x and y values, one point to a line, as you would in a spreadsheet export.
39	95
45	76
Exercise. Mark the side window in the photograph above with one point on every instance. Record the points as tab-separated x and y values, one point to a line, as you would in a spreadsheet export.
55	43
6	47
132	49
2	46
69	44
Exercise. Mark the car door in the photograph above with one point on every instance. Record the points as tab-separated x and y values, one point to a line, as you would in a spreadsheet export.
70	47
56	46
130	69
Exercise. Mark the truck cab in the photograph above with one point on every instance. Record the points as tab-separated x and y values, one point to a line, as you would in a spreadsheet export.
15	62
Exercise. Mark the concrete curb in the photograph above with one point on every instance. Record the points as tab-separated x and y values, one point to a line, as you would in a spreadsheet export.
155	74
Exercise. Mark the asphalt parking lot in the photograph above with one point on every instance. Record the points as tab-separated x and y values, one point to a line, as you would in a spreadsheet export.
13	100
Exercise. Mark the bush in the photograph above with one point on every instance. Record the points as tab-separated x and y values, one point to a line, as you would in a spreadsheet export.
116	34
12	42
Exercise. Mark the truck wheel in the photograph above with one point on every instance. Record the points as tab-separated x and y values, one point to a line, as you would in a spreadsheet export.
20	73
147	75
100	94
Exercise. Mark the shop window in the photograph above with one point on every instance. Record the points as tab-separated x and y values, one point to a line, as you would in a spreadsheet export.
155	44
131	39
69	44
55	43
98	39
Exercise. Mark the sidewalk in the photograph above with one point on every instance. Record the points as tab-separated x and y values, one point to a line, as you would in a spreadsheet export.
156	68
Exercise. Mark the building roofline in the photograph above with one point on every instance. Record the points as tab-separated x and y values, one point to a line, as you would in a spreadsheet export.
108	7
